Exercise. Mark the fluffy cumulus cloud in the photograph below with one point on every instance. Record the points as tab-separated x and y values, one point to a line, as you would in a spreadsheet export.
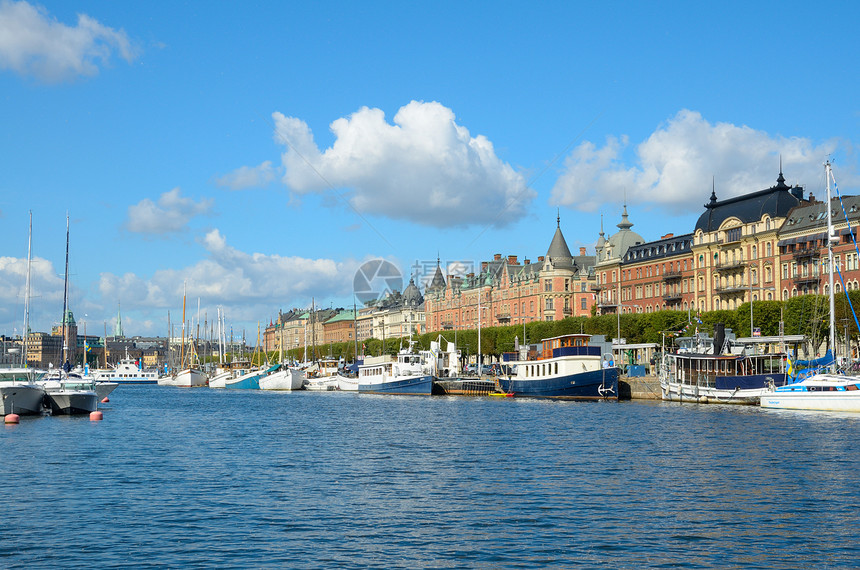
170	214
676	166
424	167
248	177
34	43
247	285
46	293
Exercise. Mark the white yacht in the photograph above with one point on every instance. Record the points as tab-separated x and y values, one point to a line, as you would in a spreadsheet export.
127	371
20	391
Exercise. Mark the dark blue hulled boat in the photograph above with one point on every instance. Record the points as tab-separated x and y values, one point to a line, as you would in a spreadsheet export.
566	368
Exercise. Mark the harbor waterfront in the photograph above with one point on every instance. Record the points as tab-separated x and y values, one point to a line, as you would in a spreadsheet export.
242	478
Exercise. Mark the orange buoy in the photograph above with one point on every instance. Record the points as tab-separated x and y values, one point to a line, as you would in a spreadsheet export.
12	418
105	400
96	416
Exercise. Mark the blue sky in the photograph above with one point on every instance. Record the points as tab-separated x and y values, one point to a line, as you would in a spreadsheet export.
262	151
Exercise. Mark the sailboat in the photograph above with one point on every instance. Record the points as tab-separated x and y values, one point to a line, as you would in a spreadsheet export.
66	394
829	390
281	376
20	392
187	377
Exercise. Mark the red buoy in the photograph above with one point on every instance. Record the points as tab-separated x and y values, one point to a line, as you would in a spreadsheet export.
105	400
12	418
96	416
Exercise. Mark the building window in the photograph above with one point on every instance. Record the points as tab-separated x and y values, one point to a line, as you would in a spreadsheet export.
547	285
549	304
582	303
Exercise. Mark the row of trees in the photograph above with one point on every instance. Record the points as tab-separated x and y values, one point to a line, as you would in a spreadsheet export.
806	315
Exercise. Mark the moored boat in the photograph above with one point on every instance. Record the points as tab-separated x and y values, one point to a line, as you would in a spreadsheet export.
283	378
20	391
719	371
409	374
127	371
567	368
817	389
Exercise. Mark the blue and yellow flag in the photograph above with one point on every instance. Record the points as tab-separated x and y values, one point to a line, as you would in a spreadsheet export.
789	367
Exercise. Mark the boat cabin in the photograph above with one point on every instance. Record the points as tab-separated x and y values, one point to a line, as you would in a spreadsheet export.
568	345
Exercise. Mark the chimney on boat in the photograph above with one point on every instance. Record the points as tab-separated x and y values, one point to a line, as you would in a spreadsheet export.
719	337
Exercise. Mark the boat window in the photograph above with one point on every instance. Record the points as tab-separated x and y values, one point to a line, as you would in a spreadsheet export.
556	367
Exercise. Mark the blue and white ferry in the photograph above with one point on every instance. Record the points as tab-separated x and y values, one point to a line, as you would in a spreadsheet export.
566	368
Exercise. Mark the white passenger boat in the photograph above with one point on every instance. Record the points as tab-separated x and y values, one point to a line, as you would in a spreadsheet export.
127	371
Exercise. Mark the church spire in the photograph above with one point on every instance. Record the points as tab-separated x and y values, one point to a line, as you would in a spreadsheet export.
118	329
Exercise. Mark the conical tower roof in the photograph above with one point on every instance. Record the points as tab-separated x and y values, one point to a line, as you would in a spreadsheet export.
438	281
558	252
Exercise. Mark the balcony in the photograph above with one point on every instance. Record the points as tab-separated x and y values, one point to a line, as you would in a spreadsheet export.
731	290
597	287
672	276
503	317
672	298
447	325
806	279
806	253
730	266
567	311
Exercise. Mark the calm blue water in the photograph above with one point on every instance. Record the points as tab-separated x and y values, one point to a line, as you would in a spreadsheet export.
239	479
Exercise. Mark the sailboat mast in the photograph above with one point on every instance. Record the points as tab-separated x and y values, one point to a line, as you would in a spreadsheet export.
355	330
830	239
27	294
65	296
182	350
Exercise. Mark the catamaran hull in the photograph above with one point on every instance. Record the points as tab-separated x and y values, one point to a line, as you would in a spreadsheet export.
599	384
412	386
837	401
73	402
23	399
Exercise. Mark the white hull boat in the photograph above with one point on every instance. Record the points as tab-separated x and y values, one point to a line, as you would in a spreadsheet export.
20	392
820	392
347	383
71	398
220	379
188	378
283	379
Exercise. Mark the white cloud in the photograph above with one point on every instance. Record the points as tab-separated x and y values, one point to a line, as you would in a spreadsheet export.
424	167
34	43
675	166
248	177
46	293
171	214
247	285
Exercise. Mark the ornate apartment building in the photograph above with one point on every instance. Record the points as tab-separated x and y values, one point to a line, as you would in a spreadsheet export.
765	245
507	292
